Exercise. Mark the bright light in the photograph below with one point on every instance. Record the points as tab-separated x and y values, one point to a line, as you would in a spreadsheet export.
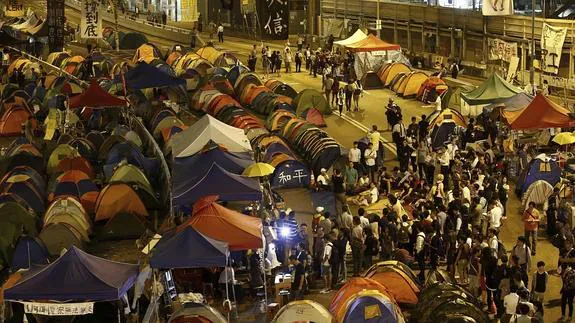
284	232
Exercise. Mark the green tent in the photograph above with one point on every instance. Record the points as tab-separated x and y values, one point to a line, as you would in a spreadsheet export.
9	234
309	98
493	90
12	212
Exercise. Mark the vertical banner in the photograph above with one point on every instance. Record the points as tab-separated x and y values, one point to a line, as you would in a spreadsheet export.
189	10
14	8
497	7
552	39
274	19
91	23
56	19
501	50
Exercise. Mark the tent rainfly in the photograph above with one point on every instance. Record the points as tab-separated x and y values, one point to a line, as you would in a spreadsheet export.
95	97
495	89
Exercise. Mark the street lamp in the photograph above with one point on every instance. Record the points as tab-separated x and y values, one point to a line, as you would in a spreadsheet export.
532	68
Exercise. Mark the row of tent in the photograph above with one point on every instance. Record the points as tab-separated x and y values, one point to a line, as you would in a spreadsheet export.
314	145
100	65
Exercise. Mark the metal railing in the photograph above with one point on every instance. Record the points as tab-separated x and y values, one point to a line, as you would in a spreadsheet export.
140	128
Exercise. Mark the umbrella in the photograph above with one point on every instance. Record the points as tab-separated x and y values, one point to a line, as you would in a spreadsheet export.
564	138
258	170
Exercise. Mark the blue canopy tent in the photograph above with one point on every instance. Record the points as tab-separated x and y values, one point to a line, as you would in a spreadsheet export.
217	181
132	154
539	168
517	102
76	276
189	249
290	173
189	170
29	251
145	76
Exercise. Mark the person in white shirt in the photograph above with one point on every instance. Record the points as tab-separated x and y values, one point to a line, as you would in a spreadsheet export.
362	218
221	33
323	179
465	191
444	161
354	154
370	154
347	219
326	268
374	137
494	215
510	302
493	241
438	103
420	253
288	57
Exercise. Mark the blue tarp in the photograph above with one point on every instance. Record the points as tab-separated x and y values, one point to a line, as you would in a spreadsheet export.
290	173
76	276
189	249
217	181
145	76
357	311
189	170
133	155
517	102
29	251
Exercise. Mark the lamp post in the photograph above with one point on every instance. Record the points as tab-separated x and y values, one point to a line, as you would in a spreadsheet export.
532	68
378	22
114	4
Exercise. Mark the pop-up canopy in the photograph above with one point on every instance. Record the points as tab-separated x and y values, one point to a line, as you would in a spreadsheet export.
357	36
541	113
76	276
95	97
493	90
371	44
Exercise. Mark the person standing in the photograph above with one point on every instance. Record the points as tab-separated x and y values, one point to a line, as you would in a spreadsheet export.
522	251
338	188
357	93
357	245
288	60
354	155
371	247
370	155
326	261
326	87
539	282
351	178
531	218
462	260
298	277
299	43
420	250
334	90
298	61
567	292
221	33
454	69
349	90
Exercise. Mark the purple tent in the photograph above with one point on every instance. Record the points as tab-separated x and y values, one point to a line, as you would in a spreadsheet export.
217	181
189	249
75	276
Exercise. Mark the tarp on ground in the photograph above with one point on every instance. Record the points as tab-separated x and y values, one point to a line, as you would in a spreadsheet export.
76	276
218	181
240	231
494	89
145	76
189	249
357	36
95	97
208	128
541	113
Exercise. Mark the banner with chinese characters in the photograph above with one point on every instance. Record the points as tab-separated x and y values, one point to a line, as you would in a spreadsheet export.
56	309
56	19
14	8
497	7
274	18
500	49
189	10
290	174
552	39
91	21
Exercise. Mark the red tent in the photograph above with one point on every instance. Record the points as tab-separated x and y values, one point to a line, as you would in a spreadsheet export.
240	231
313	116
370	44
95	97
542	113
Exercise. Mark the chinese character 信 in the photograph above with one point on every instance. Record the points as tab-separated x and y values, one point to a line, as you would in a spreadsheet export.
279	2
284	178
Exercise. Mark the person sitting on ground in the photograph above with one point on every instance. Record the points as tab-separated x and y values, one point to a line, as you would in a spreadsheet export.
323	180
367	197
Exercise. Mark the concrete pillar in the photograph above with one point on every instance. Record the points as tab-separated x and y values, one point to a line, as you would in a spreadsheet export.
395	31
409	44
463	53
423	37
437	42
452	37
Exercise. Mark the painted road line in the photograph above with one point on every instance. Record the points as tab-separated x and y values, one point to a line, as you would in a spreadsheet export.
360	126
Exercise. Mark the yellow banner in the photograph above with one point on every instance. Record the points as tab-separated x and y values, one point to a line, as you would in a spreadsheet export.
14	8
189	9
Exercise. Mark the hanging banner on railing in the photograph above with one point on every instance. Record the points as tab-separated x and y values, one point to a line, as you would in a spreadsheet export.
14	8
274	18
552	39
56	18
497	7
59	309
91	21
500	49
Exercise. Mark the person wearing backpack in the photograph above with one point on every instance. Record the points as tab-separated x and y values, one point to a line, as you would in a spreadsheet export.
567	292
404	233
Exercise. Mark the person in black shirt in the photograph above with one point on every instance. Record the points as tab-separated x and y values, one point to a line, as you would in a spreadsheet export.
338	186
423	125
298	273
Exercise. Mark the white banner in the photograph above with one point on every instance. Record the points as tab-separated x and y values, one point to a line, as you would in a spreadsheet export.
56	309
14	8
91	22
497	7
500	49
552	39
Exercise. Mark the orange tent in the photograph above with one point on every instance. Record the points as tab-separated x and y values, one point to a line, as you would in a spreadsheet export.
370	44
401	286
12	120
541	113
240	231
118	198
75	163
353	286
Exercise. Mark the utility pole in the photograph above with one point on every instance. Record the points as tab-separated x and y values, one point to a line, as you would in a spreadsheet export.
532	68
114	4
378	22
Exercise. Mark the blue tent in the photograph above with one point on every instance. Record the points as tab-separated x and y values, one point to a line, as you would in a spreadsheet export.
145	76
189	170
189	249
366	308
235	73
540	168
217	181
290	173
29	251
275	148
76	276
127	150
29	193
441	133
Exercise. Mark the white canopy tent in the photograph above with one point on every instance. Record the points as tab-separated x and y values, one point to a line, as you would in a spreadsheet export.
195	137
357	36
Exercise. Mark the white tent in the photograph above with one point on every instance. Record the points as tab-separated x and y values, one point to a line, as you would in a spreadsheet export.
357	36
303	311
195	137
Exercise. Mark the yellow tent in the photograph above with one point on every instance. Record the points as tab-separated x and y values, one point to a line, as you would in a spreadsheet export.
61	152
392	71
411	83
146	53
